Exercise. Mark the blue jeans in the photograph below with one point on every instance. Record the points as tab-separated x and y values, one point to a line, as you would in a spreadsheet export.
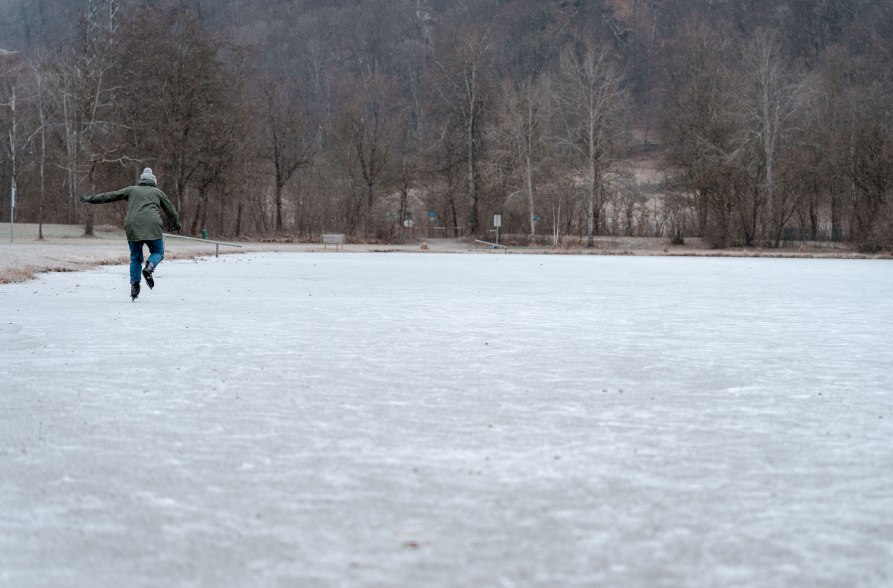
156	254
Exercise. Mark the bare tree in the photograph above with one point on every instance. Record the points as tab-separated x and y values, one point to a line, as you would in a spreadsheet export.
703	133
445	158
769	111
287	147
870	171
184	114
464	85
407	182
522	132
367	133
853	136
40	76
592	102
11	70
86	93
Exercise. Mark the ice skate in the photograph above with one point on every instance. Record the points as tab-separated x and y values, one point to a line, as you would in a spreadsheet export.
147	274
134	290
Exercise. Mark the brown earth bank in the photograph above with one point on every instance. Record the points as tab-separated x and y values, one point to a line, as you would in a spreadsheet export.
65	249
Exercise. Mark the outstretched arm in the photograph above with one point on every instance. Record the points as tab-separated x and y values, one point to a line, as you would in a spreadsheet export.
107	196
170	211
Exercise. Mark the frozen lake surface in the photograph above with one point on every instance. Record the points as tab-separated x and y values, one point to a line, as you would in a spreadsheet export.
450	420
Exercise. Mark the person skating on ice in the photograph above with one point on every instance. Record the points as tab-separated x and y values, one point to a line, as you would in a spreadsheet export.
142	225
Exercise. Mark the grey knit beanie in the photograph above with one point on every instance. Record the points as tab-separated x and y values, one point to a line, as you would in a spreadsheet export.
148	175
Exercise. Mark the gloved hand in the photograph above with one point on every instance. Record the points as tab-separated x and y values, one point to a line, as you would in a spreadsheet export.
178	227
85	199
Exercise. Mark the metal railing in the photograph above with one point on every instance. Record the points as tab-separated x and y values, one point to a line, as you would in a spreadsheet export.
217	244
491	245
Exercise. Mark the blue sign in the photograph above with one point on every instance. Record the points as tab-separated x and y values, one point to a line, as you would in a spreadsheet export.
432	214
536	218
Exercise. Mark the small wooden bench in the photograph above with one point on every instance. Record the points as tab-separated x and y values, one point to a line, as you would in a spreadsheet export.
336	239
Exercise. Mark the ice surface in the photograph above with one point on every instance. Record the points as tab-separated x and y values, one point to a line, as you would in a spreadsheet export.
450	420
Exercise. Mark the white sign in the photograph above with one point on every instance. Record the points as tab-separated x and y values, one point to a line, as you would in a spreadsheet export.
497	220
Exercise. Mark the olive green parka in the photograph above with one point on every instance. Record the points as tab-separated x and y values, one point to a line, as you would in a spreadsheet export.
144	203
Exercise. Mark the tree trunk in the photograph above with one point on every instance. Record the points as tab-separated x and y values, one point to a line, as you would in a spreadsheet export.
835	218
42	162
531	211
593	171
198	220
591	213
470	130
88	226
13	139
203	205
472	189
278	203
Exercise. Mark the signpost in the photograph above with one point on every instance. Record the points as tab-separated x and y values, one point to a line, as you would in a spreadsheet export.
432	214
497	222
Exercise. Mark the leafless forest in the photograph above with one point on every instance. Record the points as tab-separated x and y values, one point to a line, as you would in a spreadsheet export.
743	122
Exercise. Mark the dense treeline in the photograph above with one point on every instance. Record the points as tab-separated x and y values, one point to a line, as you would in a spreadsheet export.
743	122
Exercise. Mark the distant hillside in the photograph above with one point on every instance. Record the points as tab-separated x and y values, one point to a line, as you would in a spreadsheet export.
741	122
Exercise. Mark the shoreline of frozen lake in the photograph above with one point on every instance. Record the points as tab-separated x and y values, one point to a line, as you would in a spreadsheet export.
66	249
403	419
